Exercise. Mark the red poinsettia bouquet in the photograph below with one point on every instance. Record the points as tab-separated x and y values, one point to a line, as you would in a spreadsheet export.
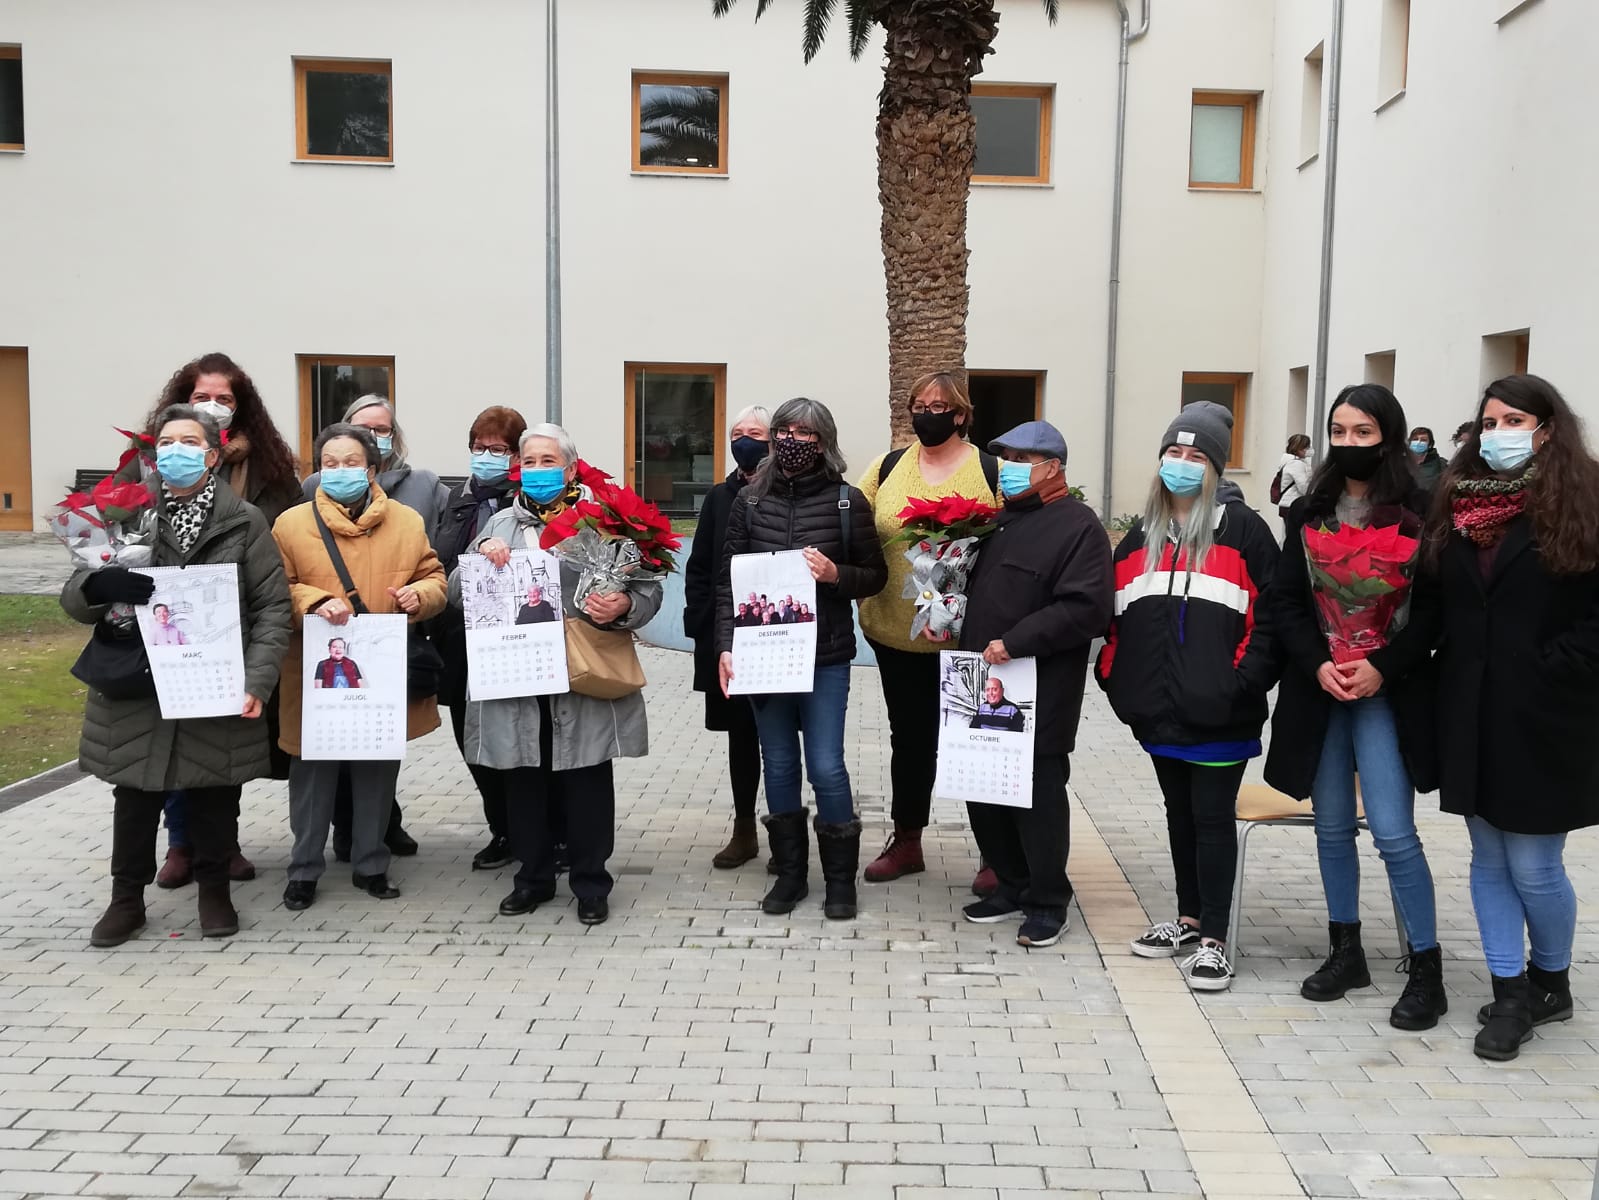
1360	579
113	523
941	539
612	535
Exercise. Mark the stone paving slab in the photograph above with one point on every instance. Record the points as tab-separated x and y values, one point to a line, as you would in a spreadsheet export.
694	1047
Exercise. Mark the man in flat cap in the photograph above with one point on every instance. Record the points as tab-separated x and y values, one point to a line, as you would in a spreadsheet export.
1042	588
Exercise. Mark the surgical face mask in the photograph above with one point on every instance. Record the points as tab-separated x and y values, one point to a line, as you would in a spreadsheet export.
488	467
748	452
180	465
345	484
1507	449
1420	447
543	484
1015	477
385	443
1359	463
216	410
1182	477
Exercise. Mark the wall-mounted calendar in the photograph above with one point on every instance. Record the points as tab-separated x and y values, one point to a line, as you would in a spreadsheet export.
515	640
191	633
774	624
355	698
986	719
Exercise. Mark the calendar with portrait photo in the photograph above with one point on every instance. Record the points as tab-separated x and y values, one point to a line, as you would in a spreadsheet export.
192	635
774	624
355	697
515	638
986	718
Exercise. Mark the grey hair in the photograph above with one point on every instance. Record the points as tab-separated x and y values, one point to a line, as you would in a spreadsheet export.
815	416
561	438
371	399
1194	535
754	412
343	429
187	412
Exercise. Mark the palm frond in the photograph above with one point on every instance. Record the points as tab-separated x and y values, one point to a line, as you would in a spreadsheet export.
720	8
817	15
860	27
1052	10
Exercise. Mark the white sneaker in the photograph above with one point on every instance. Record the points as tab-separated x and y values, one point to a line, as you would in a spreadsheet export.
1165	940
1208	970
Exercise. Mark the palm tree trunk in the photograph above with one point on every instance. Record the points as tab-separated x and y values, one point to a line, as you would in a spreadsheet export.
926	136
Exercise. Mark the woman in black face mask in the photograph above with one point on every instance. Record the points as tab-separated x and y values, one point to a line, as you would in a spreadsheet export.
1339	607
749	441
939	463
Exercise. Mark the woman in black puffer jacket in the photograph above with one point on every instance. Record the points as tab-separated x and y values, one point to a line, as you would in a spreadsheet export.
798	500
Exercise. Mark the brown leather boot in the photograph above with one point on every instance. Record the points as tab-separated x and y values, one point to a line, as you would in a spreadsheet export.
744	845
217	916
240	869
178	870
123	918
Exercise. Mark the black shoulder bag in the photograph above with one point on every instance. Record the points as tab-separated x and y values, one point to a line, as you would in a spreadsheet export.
424	666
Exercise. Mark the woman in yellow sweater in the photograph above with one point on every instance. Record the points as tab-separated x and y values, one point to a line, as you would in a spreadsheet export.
939	463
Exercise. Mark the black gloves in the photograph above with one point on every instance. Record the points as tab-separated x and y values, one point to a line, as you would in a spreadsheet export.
118	585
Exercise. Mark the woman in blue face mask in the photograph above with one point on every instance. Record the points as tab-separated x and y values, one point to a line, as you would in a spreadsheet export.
1509	594
749	442
1187	667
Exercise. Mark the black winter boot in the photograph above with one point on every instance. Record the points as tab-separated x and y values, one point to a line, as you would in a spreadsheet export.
1423	1000
1345	967
1551	996
839	848
791	855
1509	1020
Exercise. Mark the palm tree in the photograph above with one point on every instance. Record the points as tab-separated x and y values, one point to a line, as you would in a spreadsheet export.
925	140
678	126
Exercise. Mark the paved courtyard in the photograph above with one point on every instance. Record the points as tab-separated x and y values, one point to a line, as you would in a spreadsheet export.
695	1049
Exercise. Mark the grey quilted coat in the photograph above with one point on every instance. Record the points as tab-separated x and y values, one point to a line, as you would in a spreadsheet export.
504	734
125	741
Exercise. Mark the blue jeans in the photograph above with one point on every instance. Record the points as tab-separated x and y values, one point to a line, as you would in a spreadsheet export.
1518	880
820	713
177	824
1361	738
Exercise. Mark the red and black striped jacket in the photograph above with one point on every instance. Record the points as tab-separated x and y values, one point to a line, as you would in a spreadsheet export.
1186	661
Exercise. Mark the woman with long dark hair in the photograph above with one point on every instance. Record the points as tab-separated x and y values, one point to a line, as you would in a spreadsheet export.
1347	705
1513	587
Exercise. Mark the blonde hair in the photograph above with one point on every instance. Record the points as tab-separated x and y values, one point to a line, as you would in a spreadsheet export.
1194	535
950	390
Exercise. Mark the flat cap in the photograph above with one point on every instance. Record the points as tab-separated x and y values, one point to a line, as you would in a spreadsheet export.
1032	437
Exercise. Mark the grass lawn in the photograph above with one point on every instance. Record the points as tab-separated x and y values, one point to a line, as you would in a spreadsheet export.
41	705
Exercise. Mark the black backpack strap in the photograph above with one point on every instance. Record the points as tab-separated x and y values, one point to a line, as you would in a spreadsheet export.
990	465
350	592
844	517
890	461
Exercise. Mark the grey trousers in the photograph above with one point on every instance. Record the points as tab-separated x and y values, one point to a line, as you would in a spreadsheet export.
311	790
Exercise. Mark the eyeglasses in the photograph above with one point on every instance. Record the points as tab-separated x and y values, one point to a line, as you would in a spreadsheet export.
495	448
786	434
937	408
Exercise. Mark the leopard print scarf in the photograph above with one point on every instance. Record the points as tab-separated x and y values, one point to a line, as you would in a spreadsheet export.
187	514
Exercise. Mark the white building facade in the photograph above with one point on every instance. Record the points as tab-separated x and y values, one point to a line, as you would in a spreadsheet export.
349	196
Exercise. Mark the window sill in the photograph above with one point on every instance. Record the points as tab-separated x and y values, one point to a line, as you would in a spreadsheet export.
1043	184
13	149
1515	10
340	162
1392	100
637	174
1223	191
1309	161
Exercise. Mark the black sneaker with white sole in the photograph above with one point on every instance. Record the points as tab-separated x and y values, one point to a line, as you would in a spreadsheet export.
990	910
1165	940
1207	969
1040	929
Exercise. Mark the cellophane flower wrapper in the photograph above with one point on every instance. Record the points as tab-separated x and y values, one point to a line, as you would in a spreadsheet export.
612	536
943	537
1360	581
604	565
111	525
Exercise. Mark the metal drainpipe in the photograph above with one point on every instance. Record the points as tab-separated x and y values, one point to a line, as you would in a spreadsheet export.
1127	39
1335	52
552	219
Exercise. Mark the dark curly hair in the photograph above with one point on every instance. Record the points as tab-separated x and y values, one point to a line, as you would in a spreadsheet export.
270	457
1563	493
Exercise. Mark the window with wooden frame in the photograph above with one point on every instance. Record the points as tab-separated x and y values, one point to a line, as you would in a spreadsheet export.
1002	400
675	432
1221	146
343	110
11	134
329	383
680	123
1013	132
1230	389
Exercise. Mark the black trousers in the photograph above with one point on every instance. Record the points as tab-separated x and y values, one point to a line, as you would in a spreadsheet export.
743	757
910	692
585	798
1027	847
1201	824
490	783
341	812
212	816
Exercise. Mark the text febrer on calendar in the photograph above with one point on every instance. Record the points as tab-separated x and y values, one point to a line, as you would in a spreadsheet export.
515	640
192	636
774	624
355	697
987	716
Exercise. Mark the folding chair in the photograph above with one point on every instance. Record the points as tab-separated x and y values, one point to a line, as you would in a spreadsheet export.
1260	805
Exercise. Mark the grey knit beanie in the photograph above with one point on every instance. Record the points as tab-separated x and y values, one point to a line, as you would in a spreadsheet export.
1205	426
